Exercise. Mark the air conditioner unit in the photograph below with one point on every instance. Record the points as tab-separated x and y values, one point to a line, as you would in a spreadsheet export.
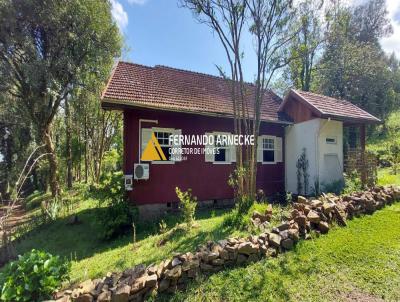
141	171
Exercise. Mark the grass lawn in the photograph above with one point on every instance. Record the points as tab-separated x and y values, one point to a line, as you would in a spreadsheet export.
360	262
362	259
386	177
93	257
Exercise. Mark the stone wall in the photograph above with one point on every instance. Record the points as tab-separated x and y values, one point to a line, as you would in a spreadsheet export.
139	282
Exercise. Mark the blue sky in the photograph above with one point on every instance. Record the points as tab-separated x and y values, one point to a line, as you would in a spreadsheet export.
159	32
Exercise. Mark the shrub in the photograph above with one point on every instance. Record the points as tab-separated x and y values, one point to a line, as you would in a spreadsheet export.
350	183
243	202
335	187
115	215
188	204
115	219
162	226
35	276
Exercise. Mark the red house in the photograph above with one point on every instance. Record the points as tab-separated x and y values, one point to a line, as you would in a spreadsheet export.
167	101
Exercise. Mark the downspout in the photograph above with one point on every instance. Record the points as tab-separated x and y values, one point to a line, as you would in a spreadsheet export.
140	134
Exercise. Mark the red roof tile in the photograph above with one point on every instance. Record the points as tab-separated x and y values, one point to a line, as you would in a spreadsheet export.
326	106
173	89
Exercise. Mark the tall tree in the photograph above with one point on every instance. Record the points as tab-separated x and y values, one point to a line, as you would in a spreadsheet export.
268	22
306	45
47	49
272	33
353	65
227	19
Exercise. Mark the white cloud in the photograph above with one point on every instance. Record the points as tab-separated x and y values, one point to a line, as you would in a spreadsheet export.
119	14
140	2
392	43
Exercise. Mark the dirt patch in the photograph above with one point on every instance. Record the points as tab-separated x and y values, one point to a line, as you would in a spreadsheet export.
357	295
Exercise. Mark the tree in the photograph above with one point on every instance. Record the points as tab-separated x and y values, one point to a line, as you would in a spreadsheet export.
306	45
227	19
353	65
268	22
272	33
48	49
369	22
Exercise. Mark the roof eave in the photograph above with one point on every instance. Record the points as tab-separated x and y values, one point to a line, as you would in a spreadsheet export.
117	104
352	120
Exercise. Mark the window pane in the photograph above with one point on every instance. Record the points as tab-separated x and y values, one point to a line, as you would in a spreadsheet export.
221	157
268	156
268	143
163	138
219	143
166	152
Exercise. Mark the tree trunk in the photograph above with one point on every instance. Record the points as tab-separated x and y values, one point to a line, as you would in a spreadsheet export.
68	144
86	149
53	175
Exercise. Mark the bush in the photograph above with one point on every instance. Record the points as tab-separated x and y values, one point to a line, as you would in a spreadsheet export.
243	202
35	276
115	215
350	183
115	219
188	204
335	187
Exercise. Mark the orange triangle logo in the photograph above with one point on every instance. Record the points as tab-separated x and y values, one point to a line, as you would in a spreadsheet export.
153	150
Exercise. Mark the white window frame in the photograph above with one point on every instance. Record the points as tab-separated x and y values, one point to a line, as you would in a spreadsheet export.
165	130
231	150
273	138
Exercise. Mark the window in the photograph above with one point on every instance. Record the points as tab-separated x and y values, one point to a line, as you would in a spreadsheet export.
221	152
162	135
163	140
268	147
331	140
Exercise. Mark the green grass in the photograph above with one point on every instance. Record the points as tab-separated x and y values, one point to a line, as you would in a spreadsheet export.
359	262
93	257
386	177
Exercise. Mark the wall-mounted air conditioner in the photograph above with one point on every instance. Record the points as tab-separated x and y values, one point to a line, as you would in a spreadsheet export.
141	171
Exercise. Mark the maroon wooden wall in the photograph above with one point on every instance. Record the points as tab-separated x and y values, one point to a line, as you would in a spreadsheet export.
207	180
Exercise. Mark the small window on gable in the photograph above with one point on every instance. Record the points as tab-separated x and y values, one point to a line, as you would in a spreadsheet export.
331	140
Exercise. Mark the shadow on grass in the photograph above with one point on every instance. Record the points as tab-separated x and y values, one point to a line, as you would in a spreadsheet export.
80	241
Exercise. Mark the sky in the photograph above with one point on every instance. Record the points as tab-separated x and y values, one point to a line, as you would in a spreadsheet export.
159	32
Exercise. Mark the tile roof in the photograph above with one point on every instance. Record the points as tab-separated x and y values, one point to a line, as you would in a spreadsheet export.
167	88
326	106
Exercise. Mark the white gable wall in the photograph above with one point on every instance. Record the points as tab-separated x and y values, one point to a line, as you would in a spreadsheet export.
330	154
297	137
325	159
